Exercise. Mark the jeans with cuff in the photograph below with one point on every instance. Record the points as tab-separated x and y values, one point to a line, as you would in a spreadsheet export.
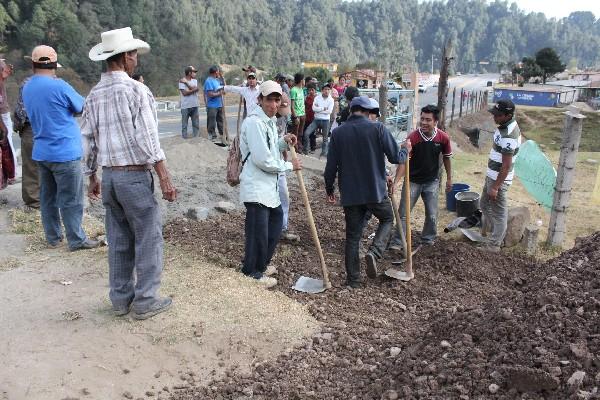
323	125
61	195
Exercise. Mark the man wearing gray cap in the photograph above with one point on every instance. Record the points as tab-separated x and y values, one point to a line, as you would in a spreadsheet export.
213	90
356	156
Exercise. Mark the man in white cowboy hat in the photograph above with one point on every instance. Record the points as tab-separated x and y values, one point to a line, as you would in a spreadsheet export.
51	105
120	134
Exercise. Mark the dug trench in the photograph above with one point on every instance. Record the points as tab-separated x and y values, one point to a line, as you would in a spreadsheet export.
471	325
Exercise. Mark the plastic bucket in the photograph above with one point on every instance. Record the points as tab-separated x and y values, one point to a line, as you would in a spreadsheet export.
451	195
466	203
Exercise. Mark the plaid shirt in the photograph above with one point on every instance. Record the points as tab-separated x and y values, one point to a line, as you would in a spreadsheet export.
119	124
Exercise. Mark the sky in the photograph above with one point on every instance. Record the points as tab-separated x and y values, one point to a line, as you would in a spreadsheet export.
559	8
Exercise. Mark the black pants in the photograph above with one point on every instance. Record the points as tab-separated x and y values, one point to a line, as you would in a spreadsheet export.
355	224
214	119
263	229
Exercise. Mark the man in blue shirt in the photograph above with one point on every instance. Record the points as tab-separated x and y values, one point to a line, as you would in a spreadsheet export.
51	105
356	155
214	103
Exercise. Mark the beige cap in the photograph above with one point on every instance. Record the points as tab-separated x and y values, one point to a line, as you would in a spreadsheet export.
44	55
268	87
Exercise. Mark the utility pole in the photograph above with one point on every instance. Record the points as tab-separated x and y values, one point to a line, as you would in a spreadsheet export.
383	95
564	179
431	62
443	83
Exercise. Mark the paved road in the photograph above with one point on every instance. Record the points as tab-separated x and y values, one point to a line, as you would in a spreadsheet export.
466	82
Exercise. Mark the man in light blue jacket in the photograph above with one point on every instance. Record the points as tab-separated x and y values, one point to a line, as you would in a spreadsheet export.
261	149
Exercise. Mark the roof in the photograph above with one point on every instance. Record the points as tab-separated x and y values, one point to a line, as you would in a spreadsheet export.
571	83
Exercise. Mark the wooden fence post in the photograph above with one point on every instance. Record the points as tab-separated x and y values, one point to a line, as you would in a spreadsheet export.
443	84
453	101
462	92
383	103
564	179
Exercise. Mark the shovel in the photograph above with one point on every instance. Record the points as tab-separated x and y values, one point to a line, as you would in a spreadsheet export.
305	284
392	272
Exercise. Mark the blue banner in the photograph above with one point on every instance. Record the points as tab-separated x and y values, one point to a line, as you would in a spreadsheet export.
527	98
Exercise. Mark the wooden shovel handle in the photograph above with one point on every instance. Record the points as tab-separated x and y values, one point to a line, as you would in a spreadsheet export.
409	270
311	223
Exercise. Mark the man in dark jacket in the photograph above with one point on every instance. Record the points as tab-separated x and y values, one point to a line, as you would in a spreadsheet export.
357	153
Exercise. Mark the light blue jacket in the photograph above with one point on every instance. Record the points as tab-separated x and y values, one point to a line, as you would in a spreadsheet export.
258	180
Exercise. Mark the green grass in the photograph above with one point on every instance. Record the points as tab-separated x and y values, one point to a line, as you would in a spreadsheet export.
545	126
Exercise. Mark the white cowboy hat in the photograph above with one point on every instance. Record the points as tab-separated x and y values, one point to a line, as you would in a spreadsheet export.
115	42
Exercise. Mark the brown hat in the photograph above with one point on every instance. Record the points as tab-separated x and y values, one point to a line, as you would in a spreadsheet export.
44	55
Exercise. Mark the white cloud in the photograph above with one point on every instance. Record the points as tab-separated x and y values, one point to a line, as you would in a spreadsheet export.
559	8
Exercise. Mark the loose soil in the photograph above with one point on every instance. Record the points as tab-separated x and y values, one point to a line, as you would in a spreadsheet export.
469	320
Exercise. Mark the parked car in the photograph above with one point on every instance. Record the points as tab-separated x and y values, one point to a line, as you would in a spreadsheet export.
490	83
393	85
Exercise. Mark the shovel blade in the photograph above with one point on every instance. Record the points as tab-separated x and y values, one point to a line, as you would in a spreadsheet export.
309	285
400	275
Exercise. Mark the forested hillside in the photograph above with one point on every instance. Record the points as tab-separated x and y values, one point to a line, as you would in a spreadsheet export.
281	34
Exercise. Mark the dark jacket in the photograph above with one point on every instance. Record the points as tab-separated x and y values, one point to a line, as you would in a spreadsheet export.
356	155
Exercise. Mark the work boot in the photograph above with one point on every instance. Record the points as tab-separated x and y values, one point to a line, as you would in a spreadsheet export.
371	265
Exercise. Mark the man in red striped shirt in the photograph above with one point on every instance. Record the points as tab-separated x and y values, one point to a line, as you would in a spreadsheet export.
428	142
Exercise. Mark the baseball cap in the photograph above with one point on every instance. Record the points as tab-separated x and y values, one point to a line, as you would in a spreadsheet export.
362	102
279	77
44	55
252	74
213	69
503	107
269	87
289	77
190	69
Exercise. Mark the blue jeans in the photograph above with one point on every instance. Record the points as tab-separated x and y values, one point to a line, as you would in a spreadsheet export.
192	113
429	193
322	124
355	224
262	232
284	197
61	195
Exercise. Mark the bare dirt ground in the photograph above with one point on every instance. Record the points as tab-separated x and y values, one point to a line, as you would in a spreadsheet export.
471	325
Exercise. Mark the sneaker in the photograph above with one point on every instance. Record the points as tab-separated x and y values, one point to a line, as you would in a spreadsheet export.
267	281
371	265
161	305
290	237
87	244
271	270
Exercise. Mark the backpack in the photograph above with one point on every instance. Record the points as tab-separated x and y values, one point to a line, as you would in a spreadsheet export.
235	163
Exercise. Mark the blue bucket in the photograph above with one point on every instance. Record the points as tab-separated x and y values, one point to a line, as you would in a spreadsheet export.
451	195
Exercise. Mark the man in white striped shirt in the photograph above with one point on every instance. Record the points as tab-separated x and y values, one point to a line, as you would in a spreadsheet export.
120	134
499	176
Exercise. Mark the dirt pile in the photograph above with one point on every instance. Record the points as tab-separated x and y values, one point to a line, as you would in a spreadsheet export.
472	325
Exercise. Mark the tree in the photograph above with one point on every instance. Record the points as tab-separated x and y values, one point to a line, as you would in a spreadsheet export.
549	62
528	69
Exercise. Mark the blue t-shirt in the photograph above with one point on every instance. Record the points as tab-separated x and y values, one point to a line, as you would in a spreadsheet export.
50	104
212	84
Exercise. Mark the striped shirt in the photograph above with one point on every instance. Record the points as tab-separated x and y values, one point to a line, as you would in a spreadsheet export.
119	125
507	140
